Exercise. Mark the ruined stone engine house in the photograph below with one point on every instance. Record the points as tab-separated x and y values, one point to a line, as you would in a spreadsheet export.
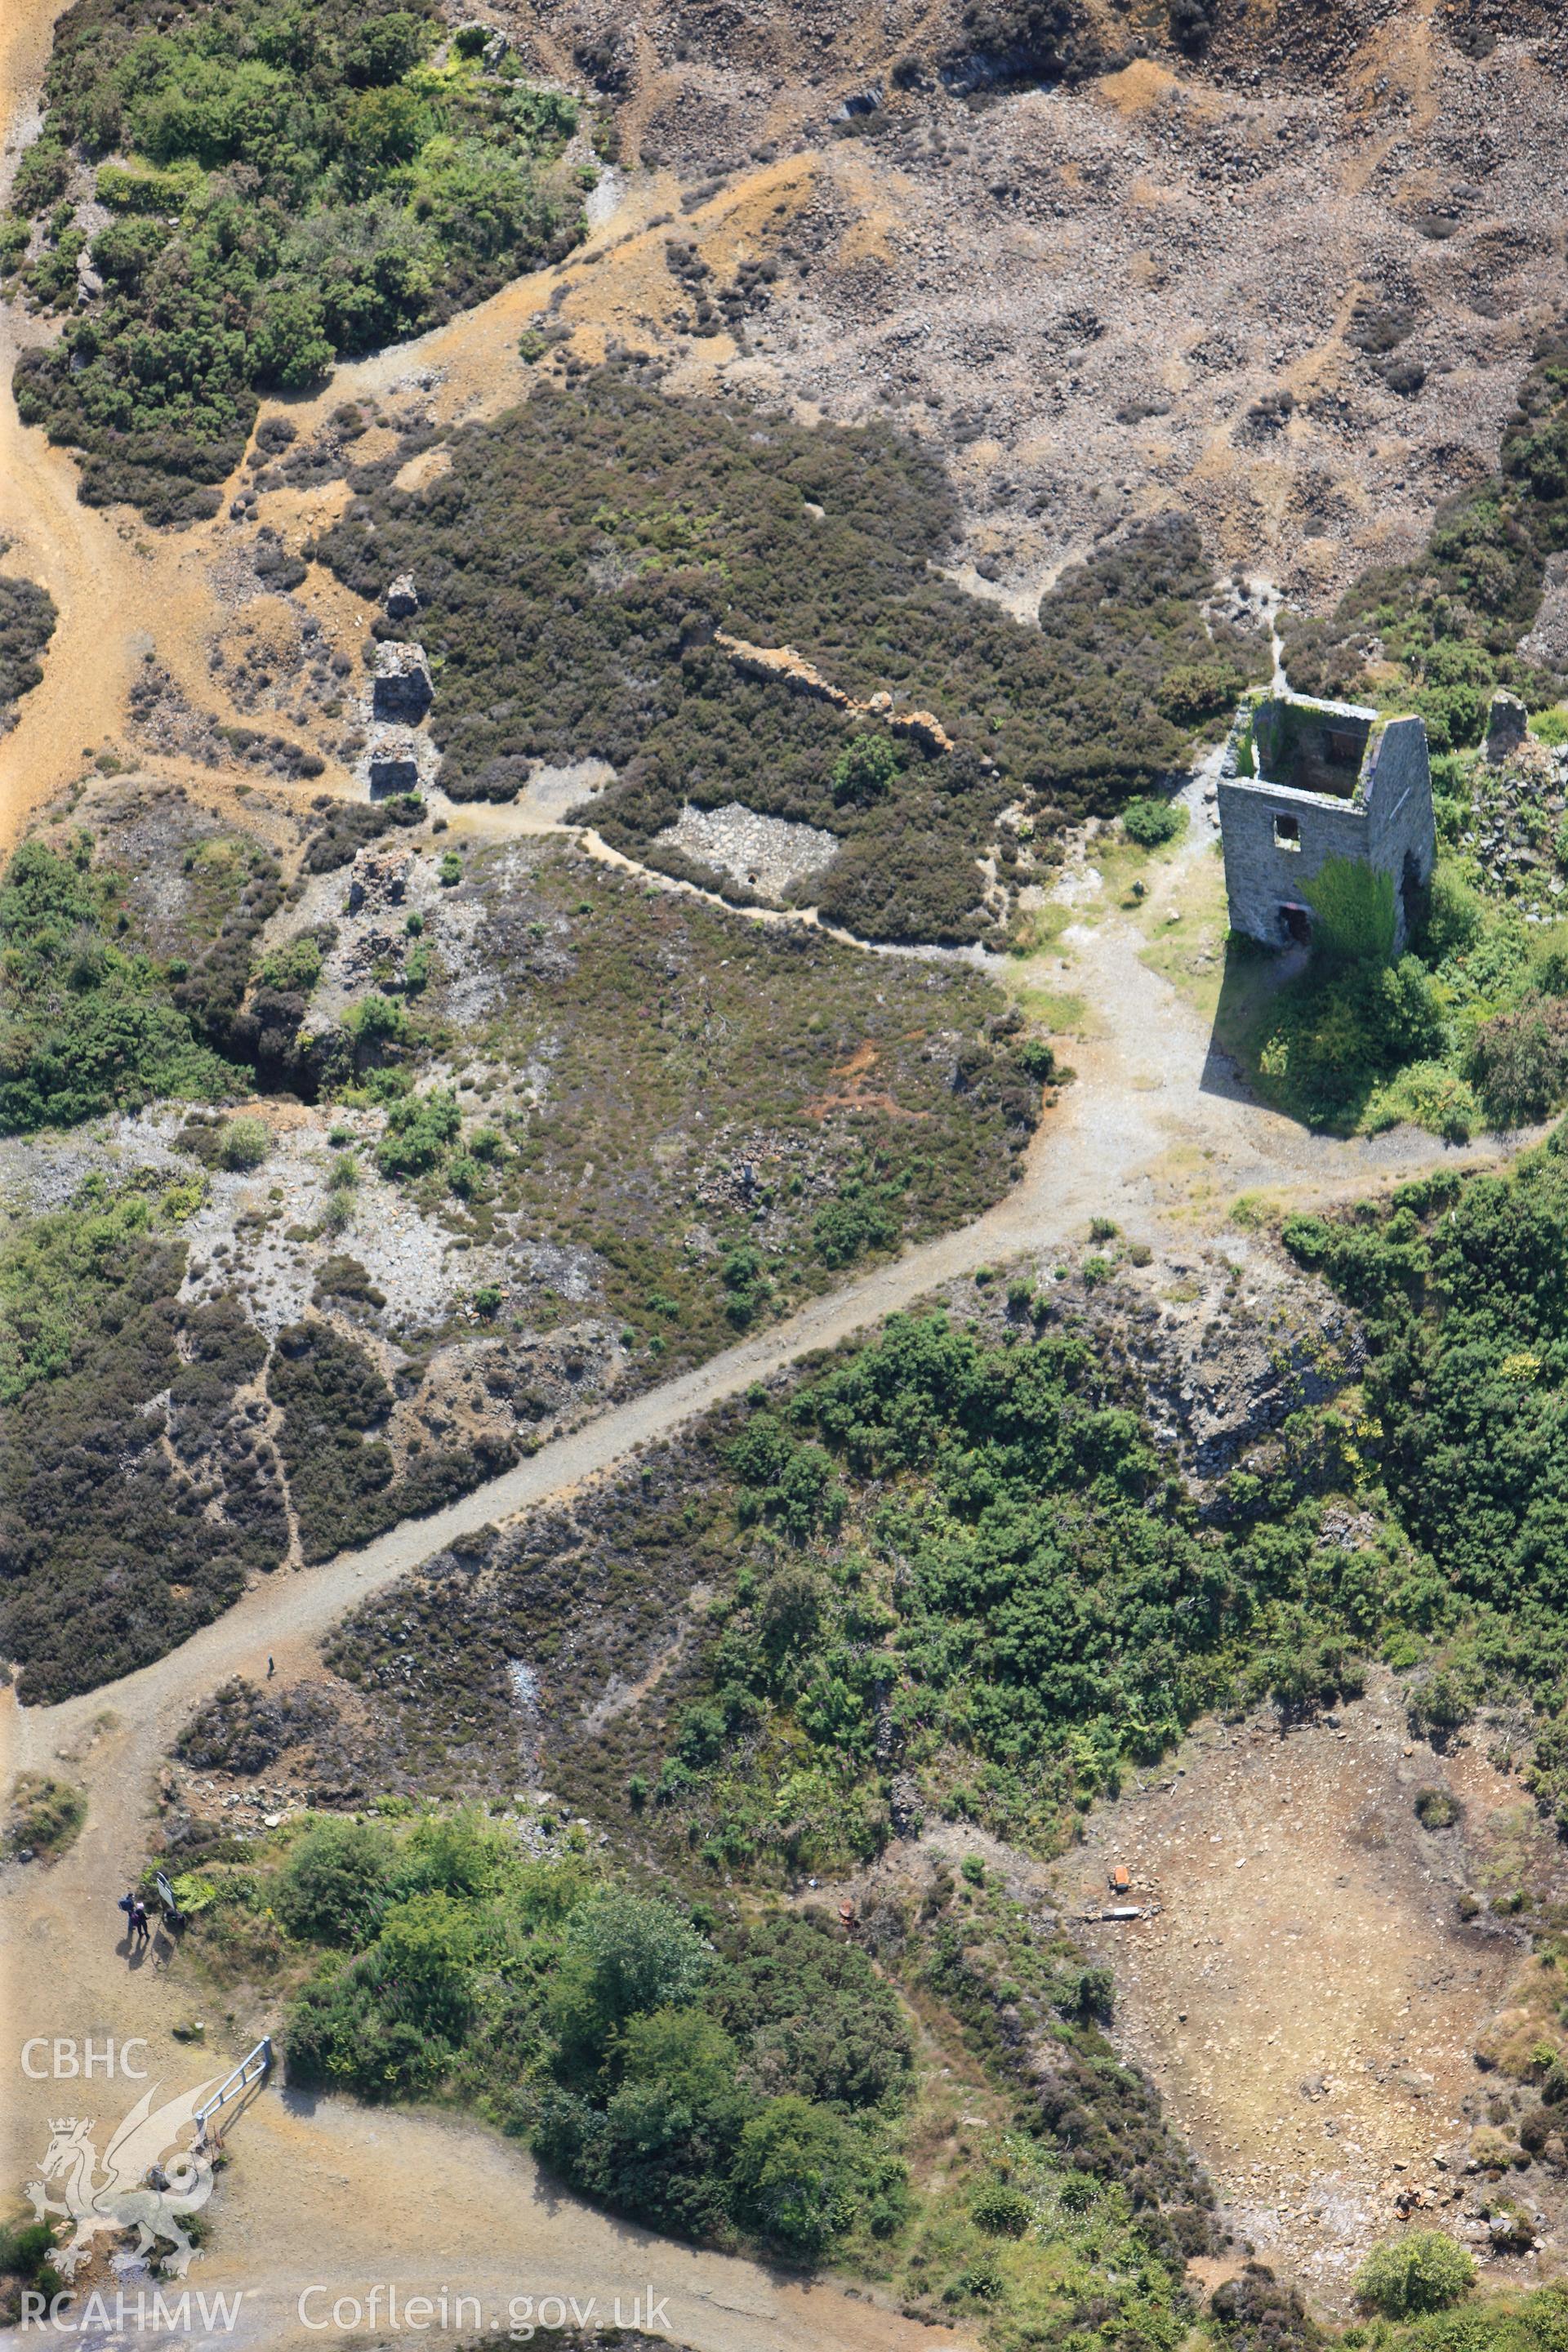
1331	780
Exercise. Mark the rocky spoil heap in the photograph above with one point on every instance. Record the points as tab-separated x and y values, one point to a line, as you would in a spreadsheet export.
1223	1344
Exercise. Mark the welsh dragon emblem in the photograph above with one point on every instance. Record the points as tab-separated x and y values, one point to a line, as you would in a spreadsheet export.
143	2186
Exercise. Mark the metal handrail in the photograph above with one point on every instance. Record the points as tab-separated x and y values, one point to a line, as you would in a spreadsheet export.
233	2084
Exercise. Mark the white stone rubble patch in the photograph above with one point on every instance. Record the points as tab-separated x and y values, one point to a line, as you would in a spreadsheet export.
473	986
571	1274
605	198
549	792
1077	885
424	1275
408	1256
43	1173
766	853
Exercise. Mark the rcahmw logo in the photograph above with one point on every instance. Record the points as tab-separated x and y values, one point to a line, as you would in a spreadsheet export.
203	2315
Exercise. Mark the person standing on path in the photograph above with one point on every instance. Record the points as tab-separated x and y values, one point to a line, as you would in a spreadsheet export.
138	1928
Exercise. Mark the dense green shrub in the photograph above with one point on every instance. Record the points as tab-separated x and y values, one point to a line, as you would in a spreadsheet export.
1465	1289
1000	2209
85	1024
293	188
373	1022
625	1956
1465	1028
865	768
1519	1061
1342	1031
1352	912
1424	2271
420	1128
1360	1029
681	2080
244	1143
108	999
27	618
663	2146
1455	916
797	2176
807	2016
969	1558
1149	822
1192	691
863	1214
333	1887
296	967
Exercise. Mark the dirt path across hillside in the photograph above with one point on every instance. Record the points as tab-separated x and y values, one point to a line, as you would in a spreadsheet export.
346	2189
